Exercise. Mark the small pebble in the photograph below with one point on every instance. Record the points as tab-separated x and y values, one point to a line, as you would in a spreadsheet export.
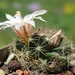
26	72
68	73
5	69
19	72
14	65
2	72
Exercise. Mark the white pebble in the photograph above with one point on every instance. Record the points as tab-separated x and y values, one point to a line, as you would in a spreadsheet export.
2	72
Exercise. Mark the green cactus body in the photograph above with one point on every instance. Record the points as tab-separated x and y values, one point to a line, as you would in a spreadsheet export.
39	44
20	45
44	48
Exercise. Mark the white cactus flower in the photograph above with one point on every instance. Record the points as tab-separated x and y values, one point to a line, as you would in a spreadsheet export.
22	26
17	21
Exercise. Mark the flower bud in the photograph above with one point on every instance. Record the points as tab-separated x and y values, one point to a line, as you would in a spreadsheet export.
54	41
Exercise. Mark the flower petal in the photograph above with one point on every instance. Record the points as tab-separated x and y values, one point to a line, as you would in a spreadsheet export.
33	15
39	12
9	17
4	27
18	16
31	22
27	18
7	24
17	26
40	18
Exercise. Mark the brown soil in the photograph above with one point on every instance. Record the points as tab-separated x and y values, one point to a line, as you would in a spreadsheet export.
15	68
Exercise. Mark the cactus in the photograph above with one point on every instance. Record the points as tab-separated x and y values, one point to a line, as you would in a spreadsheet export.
41	49
54	48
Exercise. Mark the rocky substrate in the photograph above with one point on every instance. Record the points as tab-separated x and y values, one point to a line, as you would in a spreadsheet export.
15	68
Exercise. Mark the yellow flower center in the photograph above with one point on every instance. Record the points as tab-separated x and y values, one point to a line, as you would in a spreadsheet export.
22	22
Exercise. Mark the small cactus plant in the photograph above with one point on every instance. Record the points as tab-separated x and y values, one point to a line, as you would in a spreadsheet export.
52	49
44	50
